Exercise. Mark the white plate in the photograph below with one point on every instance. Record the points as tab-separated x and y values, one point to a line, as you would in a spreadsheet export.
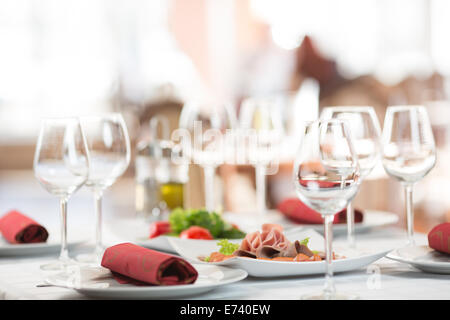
53	244
423	258
355	259
100	284
372	219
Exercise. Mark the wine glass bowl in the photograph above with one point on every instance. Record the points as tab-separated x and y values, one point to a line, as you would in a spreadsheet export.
109	147
364	127
327	175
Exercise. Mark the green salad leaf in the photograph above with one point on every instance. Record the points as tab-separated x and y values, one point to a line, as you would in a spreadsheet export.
178	220
181	219
226	247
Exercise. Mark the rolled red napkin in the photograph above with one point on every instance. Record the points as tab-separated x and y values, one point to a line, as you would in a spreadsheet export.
134	264
439	238
18	228
299	212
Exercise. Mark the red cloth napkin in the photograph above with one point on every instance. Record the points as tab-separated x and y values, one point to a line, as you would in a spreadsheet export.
134	264
18	228
439	238
299	212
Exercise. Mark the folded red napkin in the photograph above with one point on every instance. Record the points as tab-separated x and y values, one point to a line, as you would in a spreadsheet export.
18	228
439	238
134	264
299	212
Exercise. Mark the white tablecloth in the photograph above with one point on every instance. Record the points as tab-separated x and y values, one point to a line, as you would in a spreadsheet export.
384	279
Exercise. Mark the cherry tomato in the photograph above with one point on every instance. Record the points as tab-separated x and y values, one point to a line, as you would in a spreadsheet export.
196	232
159	228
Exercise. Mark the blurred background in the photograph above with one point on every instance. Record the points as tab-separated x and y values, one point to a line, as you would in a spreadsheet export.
149	57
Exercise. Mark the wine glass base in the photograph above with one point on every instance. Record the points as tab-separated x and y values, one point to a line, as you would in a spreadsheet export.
335	296
58	265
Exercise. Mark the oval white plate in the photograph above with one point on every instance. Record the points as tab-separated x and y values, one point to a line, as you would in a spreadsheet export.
53	244
423	258
355	259
372	219
209	278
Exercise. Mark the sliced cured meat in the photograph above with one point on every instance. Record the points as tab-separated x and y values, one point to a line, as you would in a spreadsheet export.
290	251
251	242
273	236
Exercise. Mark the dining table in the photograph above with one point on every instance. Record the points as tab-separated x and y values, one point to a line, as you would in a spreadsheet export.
22	278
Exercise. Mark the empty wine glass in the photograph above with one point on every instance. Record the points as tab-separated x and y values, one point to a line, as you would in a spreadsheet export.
365	129
326	178
207	125
109	152
261	118
408	151
61	165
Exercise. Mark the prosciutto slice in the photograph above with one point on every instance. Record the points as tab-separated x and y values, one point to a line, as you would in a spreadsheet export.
269	243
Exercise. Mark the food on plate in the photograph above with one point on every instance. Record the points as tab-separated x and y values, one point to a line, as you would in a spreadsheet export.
18	228
208	225
225	252
269	244
297	211
439	238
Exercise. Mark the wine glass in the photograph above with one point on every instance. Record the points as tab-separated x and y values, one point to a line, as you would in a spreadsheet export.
61	165
109	151
408	151
365	129
326	178
260	117
207	124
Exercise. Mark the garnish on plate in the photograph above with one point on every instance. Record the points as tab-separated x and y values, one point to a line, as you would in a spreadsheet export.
225	252
195	224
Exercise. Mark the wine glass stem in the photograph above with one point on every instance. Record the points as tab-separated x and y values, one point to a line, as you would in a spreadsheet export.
409	212
351	225
64	254
329	290
260	188
209	172
98	194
